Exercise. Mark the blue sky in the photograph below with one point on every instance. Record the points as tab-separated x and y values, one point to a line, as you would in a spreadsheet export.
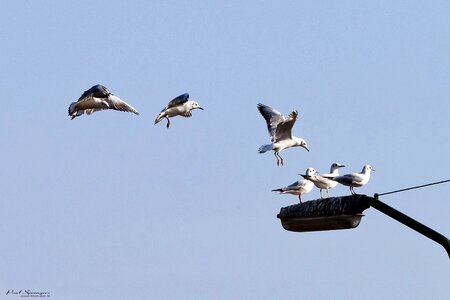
109	206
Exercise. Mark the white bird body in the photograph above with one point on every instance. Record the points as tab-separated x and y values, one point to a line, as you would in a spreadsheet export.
280	131
299	187
97	98
323	182
179	106
179	110
283	144
355	179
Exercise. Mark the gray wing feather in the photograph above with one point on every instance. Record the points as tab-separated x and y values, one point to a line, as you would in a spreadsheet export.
97	91
284	129
273	118
118	104
178	100
349	179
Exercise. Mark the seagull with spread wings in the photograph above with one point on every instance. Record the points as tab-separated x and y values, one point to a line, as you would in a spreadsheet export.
97	98
280	130
180	106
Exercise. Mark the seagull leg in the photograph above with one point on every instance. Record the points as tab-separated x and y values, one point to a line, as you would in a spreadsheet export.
353	191
278	160
300	198
168	122
321	197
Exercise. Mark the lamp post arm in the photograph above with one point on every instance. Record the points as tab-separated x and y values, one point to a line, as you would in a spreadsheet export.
410	222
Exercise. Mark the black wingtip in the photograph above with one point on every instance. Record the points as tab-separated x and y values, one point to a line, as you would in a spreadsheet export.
261	107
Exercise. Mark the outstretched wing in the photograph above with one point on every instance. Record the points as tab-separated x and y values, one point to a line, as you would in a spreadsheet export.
116	103
273	118
284	129
178	100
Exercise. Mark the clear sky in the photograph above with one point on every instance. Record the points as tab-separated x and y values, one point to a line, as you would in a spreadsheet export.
110	206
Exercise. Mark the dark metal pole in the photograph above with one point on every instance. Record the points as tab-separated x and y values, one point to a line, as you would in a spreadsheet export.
410	222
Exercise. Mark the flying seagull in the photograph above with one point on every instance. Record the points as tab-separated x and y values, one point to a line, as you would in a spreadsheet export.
355	179
323	182
300	187
97	98
179	106
280	130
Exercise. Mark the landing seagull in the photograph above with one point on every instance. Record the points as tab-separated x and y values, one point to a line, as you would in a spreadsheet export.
280	130
355	179
300	187
180	106
97	98
323	182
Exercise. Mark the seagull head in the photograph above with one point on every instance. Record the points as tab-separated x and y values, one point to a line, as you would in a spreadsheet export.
368	169
309	172
302	143
72	109
336	166
196	105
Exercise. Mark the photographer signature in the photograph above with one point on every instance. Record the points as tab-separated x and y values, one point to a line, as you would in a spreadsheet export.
27	293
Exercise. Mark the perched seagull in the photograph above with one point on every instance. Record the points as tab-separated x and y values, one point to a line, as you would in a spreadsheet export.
98	98
280	130
180	106
355	179
323	182
300	187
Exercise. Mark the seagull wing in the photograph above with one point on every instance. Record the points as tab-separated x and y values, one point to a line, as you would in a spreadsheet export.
319	179
284	128
357	178
178	100
292	187
116	103
273	118
349	179
97	91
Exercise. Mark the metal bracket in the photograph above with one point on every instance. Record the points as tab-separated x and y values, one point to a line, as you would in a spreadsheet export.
410	222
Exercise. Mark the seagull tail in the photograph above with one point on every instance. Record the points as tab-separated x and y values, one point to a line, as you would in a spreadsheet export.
265	148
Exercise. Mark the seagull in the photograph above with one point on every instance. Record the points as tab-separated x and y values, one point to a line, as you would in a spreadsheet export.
323	182
280	130
97	98
179	106
300	187
355	179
